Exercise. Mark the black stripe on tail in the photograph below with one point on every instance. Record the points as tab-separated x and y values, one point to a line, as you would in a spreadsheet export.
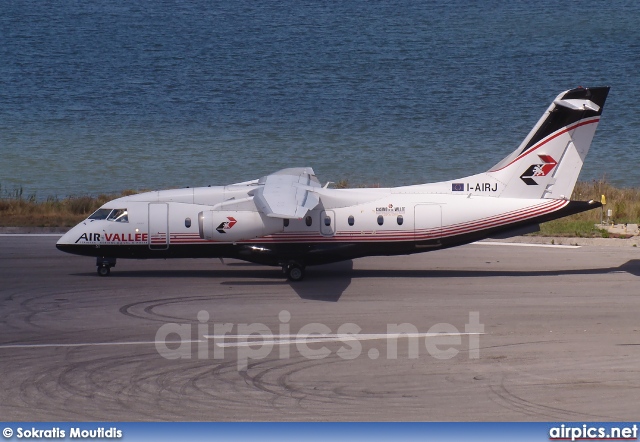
562	117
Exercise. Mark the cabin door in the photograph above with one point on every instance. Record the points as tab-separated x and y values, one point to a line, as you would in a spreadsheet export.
158	226
428	222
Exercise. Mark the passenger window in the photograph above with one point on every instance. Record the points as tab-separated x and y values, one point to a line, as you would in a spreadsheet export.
400	220
187	222
327	221
308	221
380	220
100	214
351	220
119	216
285	222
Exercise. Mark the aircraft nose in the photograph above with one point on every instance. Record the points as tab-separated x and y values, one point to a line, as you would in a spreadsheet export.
67	243
64	239
64	243
63	247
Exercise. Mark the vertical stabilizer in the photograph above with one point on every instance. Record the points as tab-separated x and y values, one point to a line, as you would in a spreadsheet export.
549	160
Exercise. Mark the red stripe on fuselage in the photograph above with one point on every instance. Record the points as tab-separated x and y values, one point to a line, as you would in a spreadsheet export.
398	235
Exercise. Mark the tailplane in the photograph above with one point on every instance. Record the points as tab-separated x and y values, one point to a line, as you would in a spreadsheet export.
549	160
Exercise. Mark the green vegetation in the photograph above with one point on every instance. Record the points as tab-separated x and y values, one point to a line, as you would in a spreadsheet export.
625	204
567	227
18	210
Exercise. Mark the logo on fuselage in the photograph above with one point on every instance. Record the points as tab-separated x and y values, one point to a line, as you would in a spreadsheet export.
538	170
390	209
112	238
226	225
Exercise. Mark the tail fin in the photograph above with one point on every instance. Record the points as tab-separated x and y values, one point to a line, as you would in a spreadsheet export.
549	160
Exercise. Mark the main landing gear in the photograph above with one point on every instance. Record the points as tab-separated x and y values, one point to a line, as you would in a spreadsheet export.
104	265
294	271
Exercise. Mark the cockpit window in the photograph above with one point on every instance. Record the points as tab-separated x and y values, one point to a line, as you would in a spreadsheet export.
119	216
100	214
116	215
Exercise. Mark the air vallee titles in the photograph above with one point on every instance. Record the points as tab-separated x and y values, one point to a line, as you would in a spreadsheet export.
289	219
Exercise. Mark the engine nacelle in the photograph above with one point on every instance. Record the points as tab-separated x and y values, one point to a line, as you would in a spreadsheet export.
232	226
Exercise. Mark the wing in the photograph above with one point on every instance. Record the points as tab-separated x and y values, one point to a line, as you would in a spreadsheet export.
286	193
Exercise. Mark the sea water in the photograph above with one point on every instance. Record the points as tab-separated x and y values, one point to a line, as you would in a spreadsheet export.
98	97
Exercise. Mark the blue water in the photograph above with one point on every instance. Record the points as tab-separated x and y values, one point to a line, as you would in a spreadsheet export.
105	96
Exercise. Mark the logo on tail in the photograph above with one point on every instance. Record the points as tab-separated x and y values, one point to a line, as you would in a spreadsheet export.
538	170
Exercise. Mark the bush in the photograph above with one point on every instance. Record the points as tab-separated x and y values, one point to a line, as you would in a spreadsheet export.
17	211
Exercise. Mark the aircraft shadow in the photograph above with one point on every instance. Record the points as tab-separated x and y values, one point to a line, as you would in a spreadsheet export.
329	285
632	267
328	282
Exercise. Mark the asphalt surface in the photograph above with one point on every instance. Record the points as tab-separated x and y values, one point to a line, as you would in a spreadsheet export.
561	337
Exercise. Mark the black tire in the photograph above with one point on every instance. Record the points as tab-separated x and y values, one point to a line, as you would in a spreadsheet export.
295	272
104	270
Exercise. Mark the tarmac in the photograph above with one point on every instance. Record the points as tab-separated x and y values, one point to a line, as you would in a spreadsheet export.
557	336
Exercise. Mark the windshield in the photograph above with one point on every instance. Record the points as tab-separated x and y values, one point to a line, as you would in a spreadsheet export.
100	214
119	216
115	215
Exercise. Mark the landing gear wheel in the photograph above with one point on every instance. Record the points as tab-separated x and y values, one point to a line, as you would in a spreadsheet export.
104	265
294	272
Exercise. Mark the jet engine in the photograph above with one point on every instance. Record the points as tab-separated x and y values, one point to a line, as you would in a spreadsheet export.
232	226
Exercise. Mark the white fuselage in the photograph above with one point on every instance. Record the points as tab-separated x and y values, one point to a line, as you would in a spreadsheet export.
370	222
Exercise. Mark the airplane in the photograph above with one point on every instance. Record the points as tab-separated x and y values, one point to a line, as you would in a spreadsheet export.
288	219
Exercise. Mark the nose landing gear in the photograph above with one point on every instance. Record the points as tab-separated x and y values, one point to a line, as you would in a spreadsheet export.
104	265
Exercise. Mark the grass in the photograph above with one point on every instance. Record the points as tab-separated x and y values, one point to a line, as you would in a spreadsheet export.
624	203
18	210
567	227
